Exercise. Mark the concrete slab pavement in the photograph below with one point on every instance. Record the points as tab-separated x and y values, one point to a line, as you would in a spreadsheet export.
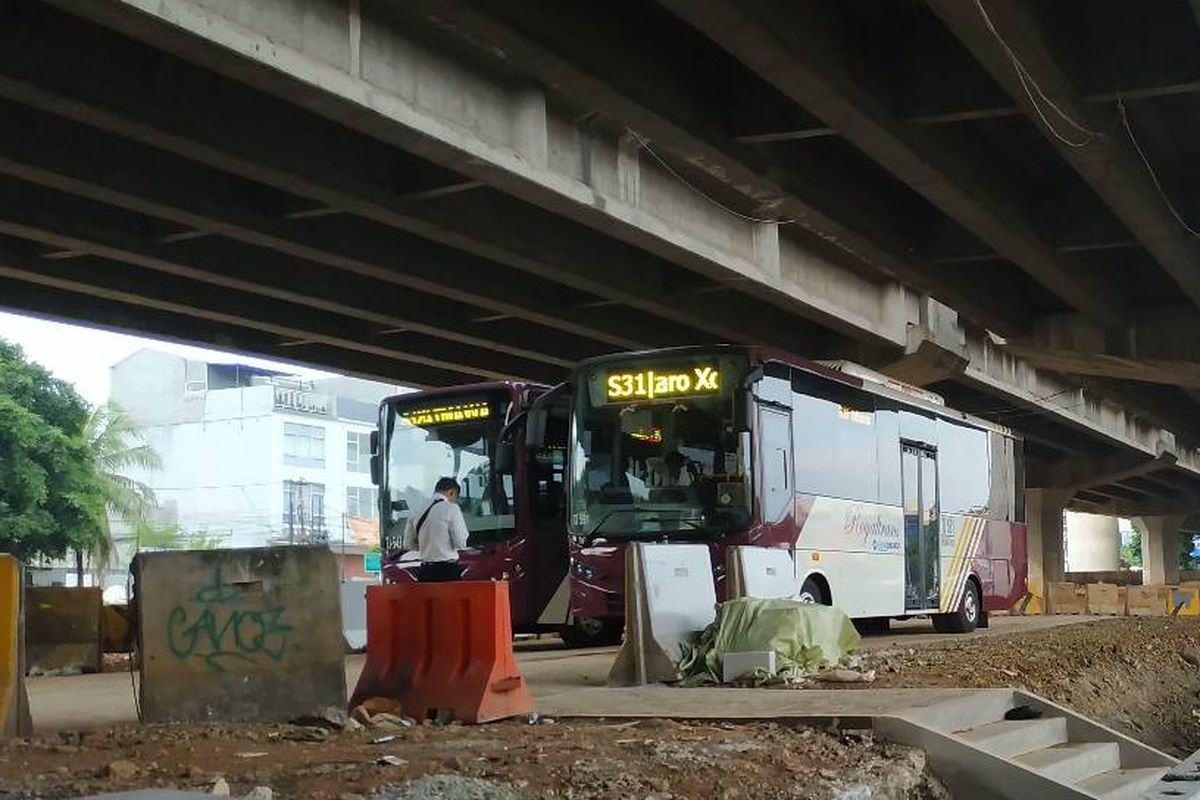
94	701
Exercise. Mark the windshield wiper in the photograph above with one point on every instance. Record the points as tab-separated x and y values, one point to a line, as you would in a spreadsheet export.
696	525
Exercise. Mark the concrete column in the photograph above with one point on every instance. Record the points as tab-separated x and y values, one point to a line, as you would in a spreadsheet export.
1160	548
1044	517
530	134
766	251
1093	543
629	169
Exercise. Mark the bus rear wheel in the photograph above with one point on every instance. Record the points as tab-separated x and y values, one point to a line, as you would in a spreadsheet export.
585	632
966	619
813	593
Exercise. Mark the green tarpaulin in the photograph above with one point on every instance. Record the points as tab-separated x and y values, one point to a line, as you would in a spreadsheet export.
804	637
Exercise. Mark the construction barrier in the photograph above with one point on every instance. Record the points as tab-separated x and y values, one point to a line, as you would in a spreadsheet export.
118	632
251	635
1185	600
1149	601
762	572
1106	599
354	615
14	704
1067	598
64	629
443	649
669	597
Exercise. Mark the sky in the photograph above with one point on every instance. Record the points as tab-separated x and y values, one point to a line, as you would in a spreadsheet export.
84	355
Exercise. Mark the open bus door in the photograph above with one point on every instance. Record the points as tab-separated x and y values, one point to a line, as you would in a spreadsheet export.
546	431
532	449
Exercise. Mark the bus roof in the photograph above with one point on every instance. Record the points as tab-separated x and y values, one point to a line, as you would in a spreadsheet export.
513	387
846	372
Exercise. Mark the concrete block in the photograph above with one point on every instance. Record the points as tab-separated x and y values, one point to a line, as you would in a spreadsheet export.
63	629
354	615
250	635
1067	598
1149	601
14	704
669	597
1106	599
736	665
760	572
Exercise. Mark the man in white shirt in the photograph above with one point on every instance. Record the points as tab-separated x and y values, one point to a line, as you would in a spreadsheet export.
438	532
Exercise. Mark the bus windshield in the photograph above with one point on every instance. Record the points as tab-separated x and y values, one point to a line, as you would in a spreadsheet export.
428	438
654	453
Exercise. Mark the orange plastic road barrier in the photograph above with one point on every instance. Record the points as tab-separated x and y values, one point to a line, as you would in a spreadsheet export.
443	647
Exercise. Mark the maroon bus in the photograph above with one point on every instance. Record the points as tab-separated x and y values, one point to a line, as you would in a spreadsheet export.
512	498
891	504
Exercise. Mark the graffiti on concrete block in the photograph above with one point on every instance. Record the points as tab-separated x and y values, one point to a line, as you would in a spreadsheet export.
218	627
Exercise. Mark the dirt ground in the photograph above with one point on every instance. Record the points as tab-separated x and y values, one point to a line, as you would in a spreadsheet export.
648	759
1140	676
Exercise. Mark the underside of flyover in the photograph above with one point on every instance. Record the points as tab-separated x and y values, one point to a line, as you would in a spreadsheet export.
1028	165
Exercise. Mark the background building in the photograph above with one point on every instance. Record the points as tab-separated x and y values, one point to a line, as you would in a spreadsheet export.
251	456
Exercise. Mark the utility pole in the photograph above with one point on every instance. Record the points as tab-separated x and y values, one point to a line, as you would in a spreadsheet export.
303	498
291	512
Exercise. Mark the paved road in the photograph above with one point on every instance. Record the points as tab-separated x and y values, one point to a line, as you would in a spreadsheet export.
91	701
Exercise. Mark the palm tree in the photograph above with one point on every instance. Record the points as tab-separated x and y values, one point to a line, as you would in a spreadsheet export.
119	447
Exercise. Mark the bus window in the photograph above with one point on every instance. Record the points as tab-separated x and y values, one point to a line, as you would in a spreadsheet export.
835	443
964	463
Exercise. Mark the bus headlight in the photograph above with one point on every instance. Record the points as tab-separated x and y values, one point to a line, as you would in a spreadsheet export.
584	571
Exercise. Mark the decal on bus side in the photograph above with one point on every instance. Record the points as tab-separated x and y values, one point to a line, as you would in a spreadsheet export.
968	537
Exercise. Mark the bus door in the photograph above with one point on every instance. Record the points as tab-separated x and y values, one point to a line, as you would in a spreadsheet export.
776	480
922	579
548	557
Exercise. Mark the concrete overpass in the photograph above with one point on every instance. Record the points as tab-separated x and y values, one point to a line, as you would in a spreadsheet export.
989	199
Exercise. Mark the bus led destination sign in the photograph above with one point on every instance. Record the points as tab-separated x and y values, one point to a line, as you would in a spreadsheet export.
440	415
653	384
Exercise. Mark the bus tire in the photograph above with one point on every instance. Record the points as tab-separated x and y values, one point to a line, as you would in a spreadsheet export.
592	633
813	593
872	626
966	619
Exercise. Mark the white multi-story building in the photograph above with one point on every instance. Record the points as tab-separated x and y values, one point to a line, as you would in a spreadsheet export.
252	456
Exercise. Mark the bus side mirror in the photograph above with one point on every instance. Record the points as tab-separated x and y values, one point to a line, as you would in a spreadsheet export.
742	403
506	458
535	426
375	457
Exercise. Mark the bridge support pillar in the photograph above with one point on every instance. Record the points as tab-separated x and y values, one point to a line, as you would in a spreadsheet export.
1044	518
1160	548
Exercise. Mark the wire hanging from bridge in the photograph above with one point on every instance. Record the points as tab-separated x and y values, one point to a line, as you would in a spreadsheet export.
644	144
1027	80
1149	168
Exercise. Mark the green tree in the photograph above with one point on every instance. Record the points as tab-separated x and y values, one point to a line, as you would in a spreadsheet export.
1131	551
49	500
118	447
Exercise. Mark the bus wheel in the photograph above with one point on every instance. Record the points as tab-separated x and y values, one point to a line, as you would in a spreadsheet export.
872	626
584	632
812	593
966	619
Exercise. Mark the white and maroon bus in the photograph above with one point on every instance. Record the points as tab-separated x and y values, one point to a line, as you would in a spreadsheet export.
892	504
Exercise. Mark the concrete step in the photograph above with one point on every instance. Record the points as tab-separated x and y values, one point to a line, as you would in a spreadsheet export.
964	713
1074	761
1121	784
1008	738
